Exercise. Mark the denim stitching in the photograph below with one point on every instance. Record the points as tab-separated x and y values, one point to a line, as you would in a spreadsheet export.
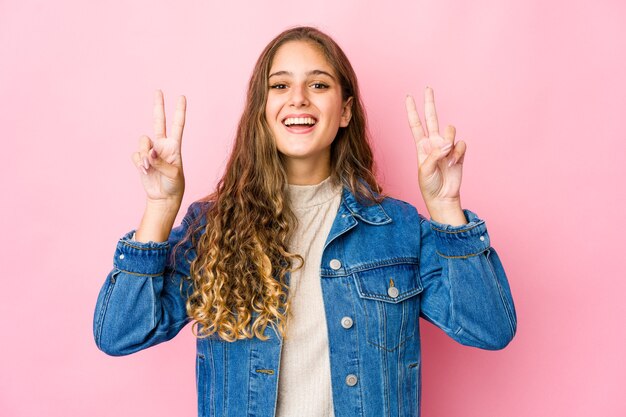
380	347
100	321
418	289
339	233
452	232
225	347
143	248
401	303
451	304
249	378
386	262
325	272
383	354
213	382
500	292
400	371
460	256
358	353
403	323
153	304
370	220
137	274
414	374
382	344
382	314
201	377
386	299
280	351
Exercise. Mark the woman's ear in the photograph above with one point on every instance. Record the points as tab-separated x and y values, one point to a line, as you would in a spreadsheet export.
346	113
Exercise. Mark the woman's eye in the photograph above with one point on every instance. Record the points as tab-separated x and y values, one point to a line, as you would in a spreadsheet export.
278	86
319	85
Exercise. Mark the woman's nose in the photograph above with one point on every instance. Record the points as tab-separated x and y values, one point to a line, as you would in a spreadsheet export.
298	96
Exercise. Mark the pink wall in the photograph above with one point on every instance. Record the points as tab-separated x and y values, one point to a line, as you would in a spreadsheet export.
536	88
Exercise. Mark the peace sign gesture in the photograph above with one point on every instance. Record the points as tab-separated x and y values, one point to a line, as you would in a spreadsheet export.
440	162
159	159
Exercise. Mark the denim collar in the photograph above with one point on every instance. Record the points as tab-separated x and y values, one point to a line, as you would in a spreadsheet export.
374	214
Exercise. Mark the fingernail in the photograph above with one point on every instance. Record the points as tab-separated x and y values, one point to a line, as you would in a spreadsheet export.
153	154
452	162
143	170
146	163
446	148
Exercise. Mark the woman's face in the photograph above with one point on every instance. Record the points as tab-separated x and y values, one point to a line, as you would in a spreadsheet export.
305	109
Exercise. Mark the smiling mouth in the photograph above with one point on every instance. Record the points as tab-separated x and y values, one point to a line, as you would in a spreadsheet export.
299	122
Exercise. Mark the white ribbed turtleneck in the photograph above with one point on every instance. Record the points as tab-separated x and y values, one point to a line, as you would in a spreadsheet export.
304	382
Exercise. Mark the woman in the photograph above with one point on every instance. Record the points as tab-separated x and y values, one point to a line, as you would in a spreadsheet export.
297	265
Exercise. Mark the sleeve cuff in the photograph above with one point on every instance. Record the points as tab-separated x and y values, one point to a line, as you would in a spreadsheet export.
140	258
461	241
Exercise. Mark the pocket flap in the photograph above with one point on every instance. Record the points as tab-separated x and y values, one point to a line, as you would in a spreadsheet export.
391	283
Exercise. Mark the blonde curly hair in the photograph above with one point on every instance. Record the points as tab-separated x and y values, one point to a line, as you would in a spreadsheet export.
239	273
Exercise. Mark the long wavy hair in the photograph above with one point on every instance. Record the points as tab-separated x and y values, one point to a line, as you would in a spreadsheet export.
239	274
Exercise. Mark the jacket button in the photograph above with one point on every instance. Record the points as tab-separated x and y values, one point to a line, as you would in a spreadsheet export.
393	292
351	380
346	322
335	264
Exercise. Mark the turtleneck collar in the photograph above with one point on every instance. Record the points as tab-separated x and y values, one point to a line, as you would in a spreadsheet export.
306	196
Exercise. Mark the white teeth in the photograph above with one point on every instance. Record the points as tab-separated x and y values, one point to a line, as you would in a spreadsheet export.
299	121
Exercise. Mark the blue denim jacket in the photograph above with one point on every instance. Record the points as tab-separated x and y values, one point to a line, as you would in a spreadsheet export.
383	267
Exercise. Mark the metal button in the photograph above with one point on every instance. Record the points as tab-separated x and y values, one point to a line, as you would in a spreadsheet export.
346	322
122	256
335	264
393	292
351	380
482	238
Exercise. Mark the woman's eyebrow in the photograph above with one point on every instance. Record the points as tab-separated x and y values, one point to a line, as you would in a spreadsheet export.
312	72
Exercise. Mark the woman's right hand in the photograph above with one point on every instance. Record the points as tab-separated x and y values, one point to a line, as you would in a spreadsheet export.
159	160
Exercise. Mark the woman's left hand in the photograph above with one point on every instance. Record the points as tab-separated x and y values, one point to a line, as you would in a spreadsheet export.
440	162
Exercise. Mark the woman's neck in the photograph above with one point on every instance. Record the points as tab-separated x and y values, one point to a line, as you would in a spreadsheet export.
307	171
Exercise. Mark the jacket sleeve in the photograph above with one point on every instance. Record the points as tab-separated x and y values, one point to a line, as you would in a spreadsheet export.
142	301
466	292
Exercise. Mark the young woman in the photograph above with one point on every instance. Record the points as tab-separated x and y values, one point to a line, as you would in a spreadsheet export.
305	283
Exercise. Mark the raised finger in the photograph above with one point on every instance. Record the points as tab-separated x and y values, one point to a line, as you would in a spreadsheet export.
423	150
145	145
179	119
414	118
449	133
137	161
162	166
430	112
159	115
458	154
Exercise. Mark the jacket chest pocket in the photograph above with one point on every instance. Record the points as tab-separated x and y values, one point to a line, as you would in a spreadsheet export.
389	299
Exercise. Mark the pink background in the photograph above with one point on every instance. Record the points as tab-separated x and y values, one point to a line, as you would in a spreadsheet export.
536	88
